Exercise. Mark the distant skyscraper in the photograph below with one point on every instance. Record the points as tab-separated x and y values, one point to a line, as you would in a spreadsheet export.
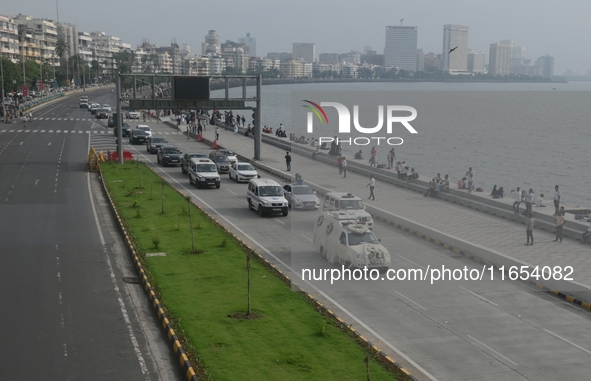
306	51
251	42
476	62
499	62
455	37
401	47
546	66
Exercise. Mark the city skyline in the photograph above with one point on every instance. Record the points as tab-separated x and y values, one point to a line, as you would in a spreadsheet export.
276	33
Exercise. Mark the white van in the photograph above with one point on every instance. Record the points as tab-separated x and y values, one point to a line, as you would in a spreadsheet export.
266	196
334	201
203	172
340	239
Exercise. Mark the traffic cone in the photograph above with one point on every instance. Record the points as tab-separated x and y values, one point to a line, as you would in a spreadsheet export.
215	144
199	138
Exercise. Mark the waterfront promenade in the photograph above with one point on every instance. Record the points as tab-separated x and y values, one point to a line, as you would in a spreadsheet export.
493	239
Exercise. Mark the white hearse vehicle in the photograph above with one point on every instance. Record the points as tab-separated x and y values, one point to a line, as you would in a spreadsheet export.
203	172
266	196
334	201
340	239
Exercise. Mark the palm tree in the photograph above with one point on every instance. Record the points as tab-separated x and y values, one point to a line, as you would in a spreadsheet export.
61	48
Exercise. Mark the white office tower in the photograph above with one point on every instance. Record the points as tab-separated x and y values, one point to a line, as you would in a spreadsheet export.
455	48
401	47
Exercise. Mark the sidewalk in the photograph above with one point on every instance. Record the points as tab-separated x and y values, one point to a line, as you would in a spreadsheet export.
482	231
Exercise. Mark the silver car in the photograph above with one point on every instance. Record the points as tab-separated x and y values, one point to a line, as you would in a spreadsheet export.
301	196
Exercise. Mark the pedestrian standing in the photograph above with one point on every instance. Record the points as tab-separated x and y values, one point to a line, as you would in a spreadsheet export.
340	163
586	235
243	120
559	221
470	176
199	128
529	229
235	129
517	196
344	167
288	161
217	133
372	159
188	133
30	116
371	185
556	199
529	199
392	157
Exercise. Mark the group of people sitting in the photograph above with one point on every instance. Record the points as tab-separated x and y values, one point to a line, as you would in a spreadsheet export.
267	130
436	185
280	132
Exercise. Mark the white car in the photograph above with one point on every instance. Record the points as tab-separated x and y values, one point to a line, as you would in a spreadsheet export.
242	172
133	115
107	107
146	129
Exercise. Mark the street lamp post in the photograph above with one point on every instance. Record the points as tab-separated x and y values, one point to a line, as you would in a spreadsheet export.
3	104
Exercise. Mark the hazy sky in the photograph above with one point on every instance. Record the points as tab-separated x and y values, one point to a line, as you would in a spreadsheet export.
542	26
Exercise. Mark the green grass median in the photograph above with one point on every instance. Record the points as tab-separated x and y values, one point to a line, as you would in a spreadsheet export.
203	289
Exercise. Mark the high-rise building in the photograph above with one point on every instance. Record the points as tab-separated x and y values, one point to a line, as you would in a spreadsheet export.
69	34
9	46
455	48
546	66
499	62
420	60
213	43
401	47
306	51
251	42
476	62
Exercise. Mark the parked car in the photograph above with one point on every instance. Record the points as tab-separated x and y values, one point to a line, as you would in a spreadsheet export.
138	137
242	172
221	161
187	158
301	196
145	128
132	114
168	155
124	130
102	114
107	107
203	172
154	143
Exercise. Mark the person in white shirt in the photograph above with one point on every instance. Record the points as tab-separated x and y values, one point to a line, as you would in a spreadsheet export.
586	235
470	176
517	196
529	229
344	167
371	185
539	201
556	199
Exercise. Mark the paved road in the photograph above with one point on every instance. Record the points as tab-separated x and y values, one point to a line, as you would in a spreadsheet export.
456	330
66	313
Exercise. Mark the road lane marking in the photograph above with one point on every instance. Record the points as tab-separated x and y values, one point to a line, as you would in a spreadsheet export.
410	300
48	144
60	297
309	239
568	342
479	297
232	192
278	220
492	350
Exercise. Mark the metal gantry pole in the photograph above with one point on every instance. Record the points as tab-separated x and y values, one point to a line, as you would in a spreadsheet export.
119	124
258	121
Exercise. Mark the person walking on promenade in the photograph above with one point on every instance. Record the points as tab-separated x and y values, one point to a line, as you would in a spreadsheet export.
217	133
556	199
30	116
392	157
530	228
586	235
517	196
559	221
529	199
243	120
470	176
344	167
371	185
340	164
288	161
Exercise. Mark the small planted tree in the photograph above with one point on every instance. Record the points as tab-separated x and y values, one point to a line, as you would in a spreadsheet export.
188	198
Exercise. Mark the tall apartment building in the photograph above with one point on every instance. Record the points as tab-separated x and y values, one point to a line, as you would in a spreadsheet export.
455	37
9	43
499	62
305	51
545	66
251	42
476	62
69	34
401	47
44	31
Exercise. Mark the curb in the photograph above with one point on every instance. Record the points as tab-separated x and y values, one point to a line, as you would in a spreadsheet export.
173	339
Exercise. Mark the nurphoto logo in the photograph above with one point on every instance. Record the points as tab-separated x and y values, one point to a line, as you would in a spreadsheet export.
345	122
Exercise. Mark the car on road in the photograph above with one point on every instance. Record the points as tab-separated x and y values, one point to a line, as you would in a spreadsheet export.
145	128
83	102
232	157
124	130
221	161
266	197
107	107
168	155
334	201
154	143
203	172
242	172
102	114
301	196
132	114
94	107
138	137
187	158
